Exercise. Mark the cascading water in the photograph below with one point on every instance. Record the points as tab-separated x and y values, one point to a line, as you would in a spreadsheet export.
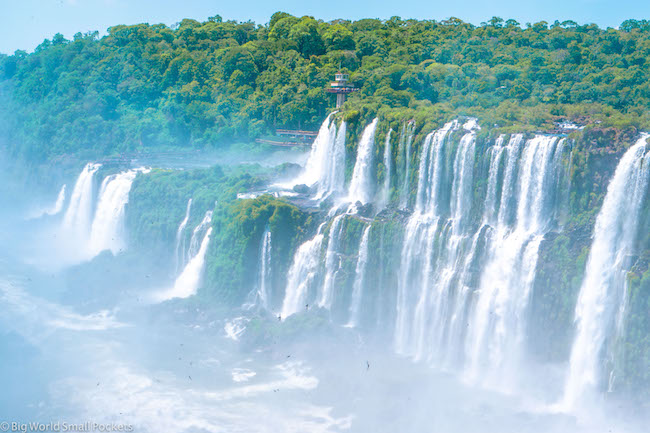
359	279
107	230
180	249
54	209
302	274
496	154
197	233
497	322
325	166
400	161
602	293
189	280
315	168
264	289
362	184
467	267
406	140
332	262
418	246
434	299
333	179
385	192
78	216
58	205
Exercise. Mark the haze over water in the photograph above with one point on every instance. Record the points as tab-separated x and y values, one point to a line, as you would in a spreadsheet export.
89	337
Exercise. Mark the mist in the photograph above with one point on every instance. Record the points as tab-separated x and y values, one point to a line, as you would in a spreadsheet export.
344	339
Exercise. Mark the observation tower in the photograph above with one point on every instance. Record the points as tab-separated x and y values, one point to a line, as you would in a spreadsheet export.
341	86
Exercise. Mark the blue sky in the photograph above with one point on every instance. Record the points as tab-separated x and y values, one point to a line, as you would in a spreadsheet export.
25	23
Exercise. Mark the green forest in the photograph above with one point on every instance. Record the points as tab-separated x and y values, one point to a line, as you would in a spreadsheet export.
214	83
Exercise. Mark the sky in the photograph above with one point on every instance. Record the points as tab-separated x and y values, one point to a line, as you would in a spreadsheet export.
26	23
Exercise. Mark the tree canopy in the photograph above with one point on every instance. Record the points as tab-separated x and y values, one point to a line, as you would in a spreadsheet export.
207	84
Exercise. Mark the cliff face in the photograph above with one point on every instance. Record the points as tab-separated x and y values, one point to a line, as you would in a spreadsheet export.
564	252
564	179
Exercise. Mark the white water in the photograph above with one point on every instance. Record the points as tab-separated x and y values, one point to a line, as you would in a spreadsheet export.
442	319
197	234
332	262
325	166
189	280
316	166
496	155
400	164
303	279
107	230
78	216
52	210
406	140
362	183
333	177
180	249
417	250
302	273
497	323
58	205
359	279
158	391
264	284
602	294
448	311
385	192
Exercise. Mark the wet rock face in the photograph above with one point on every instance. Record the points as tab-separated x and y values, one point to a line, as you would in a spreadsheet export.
365	210
301	189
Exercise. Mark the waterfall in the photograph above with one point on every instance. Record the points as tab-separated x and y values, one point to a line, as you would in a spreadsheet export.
107	230
98	227
195	240
302	274
180	239
359	279
333	178
264	283
497	324
467	262
496	153
58	205
189	280
332	262
406	140
52	210
385	193
78	216
442	317
303	279
602	293
439	191
361	185
325	166
315	168
400	161
418	247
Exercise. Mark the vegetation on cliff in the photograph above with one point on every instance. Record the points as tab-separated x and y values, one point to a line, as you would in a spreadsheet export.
232	261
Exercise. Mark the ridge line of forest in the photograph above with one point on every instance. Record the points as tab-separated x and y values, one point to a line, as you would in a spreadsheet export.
214	83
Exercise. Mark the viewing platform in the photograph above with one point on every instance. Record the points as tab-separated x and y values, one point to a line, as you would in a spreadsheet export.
341	86
291	138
